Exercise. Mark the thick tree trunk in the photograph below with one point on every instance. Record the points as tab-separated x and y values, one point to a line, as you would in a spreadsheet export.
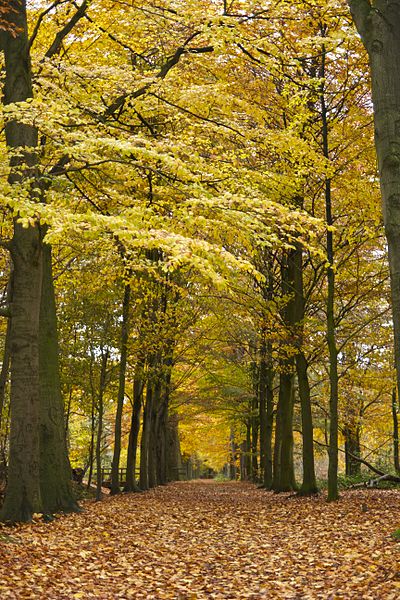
55	470
115	489
23	497
379	27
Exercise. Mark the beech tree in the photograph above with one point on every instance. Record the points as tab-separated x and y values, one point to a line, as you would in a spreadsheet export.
379	26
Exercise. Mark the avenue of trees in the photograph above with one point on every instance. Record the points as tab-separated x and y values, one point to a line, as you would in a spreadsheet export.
193	256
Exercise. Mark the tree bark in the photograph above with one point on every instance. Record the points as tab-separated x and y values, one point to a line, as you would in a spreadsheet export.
379	28
145	439
100	407
23	497
396	457
55	470
115	483
5	371
134	430
284	478
309	484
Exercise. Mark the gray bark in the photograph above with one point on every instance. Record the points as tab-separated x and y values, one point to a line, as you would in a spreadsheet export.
379	27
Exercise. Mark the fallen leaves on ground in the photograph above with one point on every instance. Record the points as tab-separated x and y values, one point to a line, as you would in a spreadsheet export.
199	540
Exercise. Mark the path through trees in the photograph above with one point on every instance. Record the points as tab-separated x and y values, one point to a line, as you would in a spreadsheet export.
209	540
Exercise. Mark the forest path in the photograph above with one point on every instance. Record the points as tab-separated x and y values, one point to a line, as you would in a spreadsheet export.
200	540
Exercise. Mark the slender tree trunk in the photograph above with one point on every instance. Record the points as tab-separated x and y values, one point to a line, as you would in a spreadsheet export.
396	458
254	440
309	485
91	445
284	478
55	470
5	371
100	406
115	489
352	448
134	430
333	493
233	456
145	439
153	431
268	472
262	403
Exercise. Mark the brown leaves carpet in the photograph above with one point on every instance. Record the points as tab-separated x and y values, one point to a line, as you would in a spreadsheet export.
209	540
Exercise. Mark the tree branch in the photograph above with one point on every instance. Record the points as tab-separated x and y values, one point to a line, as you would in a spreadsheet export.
163	72
61	35
40	19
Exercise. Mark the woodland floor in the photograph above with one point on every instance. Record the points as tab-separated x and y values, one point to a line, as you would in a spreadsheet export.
209	540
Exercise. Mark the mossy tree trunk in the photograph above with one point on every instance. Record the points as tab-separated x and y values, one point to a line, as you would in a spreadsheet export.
55	470
23	497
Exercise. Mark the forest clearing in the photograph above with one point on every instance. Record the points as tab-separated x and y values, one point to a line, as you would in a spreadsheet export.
195	540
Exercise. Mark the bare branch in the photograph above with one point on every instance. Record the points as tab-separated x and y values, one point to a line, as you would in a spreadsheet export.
61	35
40	19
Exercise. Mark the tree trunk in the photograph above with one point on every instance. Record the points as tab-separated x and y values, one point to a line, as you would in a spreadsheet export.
91	445
309	484
233	456
284	478
254	439
333	492
115	489
379	27
352	449
396	458
5	371
134	430
145	439
55	470
23	496
100	407
173	453
154	422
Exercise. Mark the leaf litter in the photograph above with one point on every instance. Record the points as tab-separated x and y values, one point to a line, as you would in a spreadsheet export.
195	540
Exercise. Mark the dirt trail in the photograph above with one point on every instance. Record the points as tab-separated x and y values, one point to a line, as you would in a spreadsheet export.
210	540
